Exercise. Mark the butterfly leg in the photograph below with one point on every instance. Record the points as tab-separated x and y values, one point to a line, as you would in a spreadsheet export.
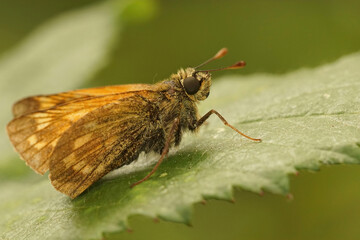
164	152
207	115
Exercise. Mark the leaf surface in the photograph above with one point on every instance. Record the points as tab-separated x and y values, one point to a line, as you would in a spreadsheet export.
305	118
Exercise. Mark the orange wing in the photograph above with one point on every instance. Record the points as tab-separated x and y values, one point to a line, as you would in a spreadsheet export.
43	119
43	102
106	138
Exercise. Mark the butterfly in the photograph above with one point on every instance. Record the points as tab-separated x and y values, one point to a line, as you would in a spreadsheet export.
79	136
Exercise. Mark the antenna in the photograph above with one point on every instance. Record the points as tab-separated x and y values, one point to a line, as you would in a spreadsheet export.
222	52
236	65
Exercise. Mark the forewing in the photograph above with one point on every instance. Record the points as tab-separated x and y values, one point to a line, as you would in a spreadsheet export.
43	102
35	135
101	141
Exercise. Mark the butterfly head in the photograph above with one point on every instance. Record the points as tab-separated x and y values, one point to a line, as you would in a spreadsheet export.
196	83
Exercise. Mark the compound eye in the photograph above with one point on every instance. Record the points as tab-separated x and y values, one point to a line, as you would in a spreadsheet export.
191	85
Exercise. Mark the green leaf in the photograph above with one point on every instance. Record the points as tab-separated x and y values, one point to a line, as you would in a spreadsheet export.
305	118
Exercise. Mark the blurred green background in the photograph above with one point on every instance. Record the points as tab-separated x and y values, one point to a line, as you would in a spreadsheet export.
273	37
